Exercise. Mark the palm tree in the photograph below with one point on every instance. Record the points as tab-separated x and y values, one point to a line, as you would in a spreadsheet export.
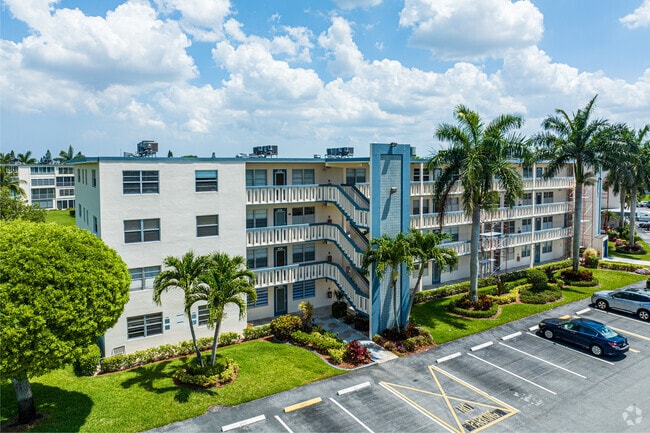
479	159
225	282
575	140
182	274
387	253
68	156
26	158
9	180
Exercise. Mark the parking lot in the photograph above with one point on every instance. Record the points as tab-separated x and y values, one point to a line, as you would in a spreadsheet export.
508	379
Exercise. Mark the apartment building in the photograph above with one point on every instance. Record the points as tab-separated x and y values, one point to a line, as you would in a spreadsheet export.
50	186
303	225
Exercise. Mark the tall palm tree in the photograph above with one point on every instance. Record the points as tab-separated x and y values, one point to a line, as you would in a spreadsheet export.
479	159
226	282
388	253
26	158
182	273
575	140
68	156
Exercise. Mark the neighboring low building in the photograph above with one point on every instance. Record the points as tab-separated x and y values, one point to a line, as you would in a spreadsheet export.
50	186
303	225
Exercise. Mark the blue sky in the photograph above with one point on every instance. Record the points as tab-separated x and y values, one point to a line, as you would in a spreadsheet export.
203	76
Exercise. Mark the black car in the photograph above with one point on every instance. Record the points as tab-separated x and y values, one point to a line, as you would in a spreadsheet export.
592	335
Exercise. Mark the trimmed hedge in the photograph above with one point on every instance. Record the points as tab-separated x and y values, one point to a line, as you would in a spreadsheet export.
282	327
592	283
88	362
618	266
475	314
207	377
257	332
529	296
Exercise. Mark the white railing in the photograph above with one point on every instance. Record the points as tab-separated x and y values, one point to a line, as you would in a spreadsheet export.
304	233
519	239
552	183
308	193
364	188
319	270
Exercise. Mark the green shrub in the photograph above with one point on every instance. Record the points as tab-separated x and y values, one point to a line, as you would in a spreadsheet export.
339	309
257	332
592	283
336	355
88	362
356	353
529	296
376	338
283	326
193	374
570	275
483	303
537	279
228	338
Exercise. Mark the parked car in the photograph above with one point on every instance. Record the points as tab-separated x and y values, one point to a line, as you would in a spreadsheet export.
644	203
592	335
644	225
630	299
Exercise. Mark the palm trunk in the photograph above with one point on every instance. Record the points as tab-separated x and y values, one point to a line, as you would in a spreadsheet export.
196	344
415	289
215	342
26	406
474	250
633	193
577	223
621	220
395	309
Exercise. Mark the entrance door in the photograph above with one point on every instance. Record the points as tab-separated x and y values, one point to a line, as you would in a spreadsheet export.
279	177
435	273
280	254
538	255
280	300
280	216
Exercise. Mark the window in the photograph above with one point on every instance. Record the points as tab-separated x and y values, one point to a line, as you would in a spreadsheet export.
437	173
304	253
141	230
204	315
144	326
207	225
355	175
256	177
509	227
65	204
453	204
45	204
257	258
539	171
303	215
304	289
143	278
206	180
416	207
43	193
454	234
547	247
547	222
43	182
548	197
525	251
94	178
528	199
425	206
95	225
66	170
418	174
256	218
65	181
302	176
41	169
526	225
262	298
527	172
140	182
510	253
66	192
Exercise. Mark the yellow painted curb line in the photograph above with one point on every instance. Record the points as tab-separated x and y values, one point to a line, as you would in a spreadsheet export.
303	404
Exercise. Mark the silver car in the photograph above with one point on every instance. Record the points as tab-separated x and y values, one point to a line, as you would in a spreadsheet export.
631	300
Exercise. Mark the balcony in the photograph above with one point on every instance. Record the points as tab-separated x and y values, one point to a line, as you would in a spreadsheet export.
356	213
426	188
356	294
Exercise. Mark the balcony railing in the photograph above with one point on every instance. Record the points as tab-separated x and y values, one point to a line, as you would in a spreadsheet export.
426	188
286	194
357	295
266	236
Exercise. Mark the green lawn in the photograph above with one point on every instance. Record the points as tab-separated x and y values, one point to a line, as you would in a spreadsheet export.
611	251
146	397
445	327
60	217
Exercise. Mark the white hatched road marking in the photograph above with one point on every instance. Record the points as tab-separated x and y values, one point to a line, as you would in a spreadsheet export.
351	415
513	374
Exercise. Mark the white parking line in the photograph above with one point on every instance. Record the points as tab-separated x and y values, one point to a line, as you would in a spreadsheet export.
623	317
243	423
571	349
513	374
352	416
583	311
543	360
626	333
283	424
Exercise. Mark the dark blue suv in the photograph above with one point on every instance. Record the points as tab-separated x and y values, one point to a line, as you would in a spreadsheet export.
592	335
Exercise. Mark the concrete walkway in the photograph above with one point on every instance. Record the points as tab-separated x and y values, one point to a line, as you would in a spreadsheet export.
324	319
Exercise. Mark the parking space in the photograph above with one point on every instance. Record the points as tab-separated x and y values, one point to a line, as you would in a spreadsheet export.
508	379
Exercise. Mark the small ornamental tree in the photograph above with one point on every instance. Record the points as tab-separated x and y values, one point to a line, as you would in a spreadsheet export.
61	288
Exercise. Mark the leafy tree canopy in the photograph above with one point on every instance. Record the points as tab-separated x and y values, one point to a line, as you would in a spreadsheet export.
60	289
12	208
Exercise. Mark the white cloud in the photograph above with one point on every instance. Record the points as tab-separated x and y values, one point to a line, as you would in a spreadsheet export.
355	4
203	19
338	41
129	46
639	18
469	29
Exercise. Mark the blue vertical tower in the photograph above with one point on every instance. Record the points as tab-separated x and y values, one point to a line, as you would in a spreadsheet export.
390	166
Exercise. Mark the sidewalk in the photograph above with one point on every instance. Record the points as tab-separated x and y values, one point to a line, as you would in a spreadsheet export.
323	318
